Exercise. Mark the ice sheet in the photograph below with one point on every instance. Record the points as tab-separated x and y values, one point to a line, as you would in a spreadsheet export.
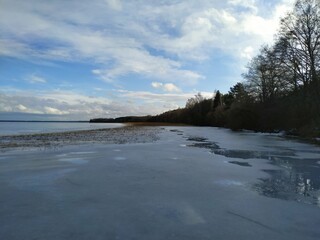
193	183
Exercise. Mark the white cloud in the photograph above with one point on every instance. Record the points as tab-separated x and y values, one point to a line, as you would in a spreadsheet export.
51	110
249	4
71	98
247	52
178	98
228	30
21	108
117	35
142	63
75	106
156	85
170	87
36	79
115	4
167	87
77	37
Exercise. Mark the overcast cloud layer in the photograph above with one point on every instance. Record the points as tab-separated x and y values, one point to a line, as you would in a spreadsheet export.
142	57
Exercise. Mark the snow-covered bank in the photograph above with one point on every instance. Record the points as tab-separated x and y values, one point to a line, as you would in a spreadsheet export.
192	183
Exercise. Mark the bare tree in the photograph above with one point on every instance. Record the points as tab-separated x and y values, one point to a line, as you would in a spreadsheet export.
300	31
191	102
264	76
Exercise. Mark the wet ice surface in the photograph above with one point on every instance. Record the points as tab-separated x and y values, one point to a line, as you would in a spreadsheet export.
298	176
193	183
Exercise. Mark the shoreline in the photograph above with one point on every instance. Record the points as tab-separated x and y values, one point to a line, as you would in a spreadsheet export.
122	135
130	132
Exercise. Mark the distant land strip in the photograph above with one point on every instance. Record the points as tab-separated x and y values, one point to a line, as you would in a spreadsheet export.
43	121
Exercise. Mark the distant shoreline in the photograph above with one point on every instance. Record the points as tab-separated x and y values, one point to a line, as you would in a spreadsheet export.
44	121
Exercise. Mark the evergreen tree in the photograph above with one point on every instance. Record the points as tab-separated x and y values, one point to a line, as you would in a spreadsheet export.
217	100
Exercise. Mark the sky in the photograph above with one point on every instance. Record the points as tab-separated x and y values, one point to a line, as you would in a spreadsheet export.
77	59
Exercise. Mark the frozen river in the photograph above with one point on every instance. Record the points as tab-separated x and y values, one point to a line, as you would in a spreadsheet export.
193	183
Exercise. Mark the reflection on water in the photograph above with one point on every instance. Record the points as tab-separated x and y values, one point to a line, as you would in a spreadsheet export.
295	181
298	178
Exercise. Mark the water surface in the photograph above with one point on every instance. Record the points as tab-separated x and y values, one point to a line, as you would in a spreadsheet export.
16	128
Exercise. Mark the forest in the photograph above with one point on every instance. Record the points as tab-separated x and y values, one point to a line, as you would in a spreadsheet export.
280	89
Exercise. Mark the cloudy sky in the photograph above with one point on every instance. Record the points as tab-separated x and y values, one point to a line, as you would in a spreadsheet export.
80	59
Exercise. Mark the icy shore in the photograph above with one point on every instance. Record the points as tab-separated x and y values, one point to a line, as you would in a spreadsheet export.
187	183
121	135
